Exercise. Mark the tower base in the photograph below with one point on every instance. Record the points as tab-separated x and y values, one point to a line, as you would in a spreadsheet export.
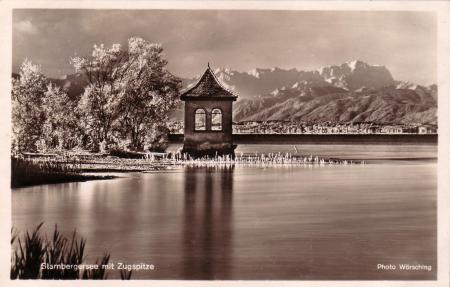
209	150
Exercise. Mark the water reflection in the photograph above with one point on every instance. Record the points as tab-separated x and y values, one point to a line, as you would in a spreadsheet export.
207	234
247	223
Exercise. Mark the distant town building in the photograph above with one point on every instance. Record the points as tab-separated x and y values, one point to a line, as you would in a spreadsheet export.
208	110
299	127
427	129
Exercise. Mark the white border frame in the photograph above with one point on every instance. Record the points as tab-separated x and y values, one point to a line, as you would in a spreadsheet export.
441	8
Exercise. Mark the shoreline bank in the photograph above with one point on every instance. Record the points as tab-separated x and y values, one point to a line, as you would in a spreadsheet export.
96	167
337	139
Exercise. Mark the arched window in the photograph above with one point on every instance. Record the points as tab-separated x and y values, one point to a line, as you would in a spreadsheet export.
200	120
216	120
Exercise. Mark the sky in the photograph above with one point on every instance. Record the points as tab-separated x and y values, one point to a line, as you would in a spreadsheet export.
404	42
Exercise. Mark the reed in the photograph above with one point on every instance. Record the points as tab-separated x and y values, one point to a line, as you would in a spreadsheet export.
34	171
271	159
35	249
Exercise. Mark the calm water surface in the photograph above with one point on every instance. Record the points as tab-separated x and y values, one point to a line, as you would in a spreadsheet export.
329	222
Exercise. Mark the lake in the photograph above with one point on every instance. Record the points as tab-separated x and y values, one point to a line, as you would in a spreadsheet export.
240	222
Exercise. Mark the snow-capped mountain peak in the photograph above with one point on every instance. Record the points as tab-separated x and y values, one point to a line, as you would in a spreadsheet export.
254	73
350	76
406	85
352	64
355	74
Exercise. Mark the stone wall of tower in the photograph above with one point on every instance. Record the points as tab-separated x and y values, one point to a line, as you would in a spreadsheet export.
208	139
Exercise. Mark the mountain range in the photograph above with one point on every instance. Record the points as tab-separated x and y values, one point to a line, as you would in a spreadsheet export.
353	91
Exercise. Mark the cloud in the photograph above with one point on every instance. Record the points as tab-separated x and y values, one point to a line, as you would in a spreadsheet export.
26	27
239	39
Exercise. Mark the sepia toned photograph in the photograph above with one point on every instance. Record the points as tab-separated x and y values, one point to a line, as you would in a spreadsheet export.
224	144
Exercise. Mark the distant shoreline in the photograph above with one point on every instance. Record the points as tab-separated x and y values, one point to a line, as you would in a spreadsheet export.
395	139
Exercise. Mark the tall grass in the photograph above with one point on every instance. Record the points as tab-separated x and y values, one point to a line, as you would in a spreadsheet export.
27	171
271	159
34	249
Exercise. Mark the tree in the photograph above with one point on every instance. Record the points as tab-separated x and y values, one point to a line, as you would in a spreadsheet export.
129	93
28	116
99	102
151	93
61	129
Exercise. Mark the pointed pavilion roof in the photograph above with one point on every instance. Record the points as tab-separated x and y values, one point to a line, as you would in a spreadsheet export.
208	88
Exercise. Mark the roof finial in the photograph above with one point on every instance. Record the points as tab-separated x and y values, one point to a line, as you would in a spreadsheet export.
209	66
